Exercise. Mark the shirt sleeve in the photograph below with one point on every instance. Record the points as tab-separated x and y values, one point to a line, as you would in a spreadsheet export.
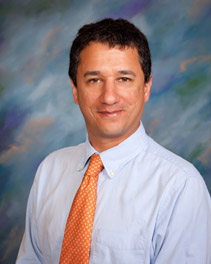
183	229
29	252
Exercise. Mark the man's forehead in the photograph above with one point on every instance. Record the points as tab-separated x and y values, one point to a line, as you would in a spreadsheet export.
93	49
99	58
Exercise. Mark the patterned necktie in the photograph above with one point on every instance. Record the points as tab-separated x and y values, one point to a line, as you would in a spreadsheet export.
78	230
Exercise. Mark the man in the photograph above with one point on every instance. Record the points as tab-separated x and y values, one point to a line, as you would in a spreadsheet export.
152	206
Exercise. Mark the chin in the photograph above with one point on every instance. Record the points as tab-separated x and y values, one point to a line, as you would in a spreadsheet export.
113	133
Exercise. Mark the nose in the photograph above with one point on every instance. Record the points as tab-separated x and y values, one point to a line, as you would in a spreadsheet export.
109	94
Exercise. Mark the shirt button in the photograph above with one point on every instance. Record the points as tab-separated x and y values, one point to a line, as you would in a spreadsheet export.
81	166
112	173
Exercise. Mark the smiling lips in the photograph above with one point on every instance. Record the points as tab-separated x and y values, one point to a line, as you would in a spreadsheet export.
113	113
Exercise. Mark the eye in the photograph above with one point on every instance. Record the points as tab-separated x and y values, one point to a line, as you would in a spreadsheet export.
94	80
124	79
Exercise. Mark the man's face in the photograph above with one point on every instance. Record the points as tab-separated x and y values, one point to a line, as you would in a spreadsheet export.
111	93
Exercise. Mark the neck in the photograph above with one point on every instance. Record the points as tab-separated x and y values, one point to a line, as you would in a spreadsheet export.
103	143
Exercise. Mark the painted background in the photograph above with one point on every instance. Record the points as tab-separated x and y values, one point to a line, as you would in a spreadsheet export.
37	113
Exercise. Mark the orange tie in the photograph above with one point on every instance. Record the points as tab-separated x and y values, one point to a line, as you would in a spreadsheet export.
78	230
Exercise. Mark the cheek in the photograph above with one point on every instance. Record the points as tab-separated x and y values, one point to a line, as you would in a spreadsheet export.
134	98
87	103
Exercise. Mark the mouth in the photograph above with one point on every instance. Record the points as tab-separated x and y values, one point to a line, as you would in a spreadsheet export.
111	114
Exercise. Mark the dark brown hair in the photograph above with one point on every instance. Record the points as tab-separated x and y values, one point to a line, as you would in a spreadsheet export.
119	32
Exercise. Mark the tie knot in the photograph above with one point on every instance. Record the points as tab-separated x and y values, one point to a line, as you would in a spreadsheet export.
95	165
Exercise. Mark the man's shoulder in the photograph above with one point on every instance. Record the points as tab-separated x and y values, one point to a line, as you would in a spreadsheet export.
172	160
66	154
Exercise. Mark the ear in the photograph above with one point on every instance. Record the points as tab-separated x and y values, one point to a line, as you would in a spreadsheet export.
147	87
75	91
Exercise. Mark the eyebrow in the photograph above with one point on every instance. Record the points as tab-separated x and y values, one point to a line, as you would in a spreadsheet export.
94	73
91	73
127	72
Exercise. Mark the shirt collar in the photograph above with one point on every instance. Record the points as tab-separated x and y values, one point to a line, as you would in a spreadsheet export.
115	158
87	153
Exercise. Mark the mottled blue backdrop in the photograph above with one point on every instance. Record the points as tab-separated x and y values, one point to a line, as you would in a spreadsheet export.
37	113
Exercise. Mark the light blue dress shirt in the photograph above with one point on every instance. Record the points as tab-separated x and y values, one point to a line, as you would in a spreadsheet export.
152	206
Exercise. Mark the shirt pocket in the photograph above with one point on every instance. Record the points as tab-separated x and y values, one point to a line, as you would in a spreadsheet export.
118	248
